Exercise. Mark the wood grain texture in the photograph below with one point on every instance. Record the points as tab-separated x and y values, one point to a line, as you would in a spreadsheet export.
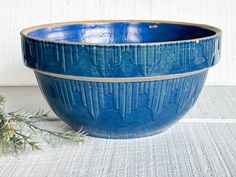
16	15
187	149
196	146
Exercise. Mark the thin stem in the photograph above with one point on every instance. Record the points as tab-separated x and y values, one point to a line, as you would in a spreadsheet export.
23	136
70	136
12	137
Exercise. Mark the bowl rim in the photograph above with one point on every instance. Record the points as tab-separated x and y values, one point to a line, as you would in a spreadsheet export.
24	33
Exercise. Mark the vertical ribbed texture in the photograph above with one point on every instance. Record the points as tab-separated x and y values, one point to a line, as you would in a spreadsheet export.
162	101
121	60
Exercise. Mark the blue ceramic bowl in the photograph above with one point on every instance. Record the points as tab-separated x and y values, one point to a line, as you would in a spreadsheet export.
121	79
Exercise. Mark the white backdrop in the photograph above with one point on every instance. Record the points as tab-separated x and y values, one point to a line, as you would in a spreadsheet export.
18	14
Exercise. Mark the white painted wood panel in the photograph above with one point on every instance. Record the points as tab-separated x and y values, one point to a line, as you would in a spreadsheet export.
188	149
201	144
16	15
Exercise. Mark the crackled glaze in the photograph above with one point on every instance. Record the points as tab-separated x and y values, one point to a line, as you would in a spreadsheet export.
121	79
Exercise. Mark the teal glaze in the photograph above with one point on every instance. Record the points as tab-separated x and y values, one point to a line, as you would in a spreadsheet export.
121	50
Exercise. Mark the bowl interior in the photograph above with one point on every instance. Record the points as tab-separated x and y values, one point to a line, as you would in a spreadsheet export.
120	32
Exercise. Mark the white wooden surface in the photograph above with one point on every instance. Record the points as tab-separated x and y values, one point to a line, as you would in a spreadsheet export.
16	15
203	143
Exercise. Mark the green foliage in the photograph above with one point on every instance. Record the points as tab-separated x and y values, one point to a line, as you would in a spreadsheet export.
13	138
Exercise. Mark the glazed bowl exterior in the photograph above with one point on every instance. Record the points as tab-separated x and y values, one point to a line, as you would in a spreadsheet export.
121	79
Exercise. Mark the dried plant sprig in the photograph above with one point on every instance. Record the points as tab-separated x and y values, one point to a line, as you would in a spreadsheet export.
14	139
